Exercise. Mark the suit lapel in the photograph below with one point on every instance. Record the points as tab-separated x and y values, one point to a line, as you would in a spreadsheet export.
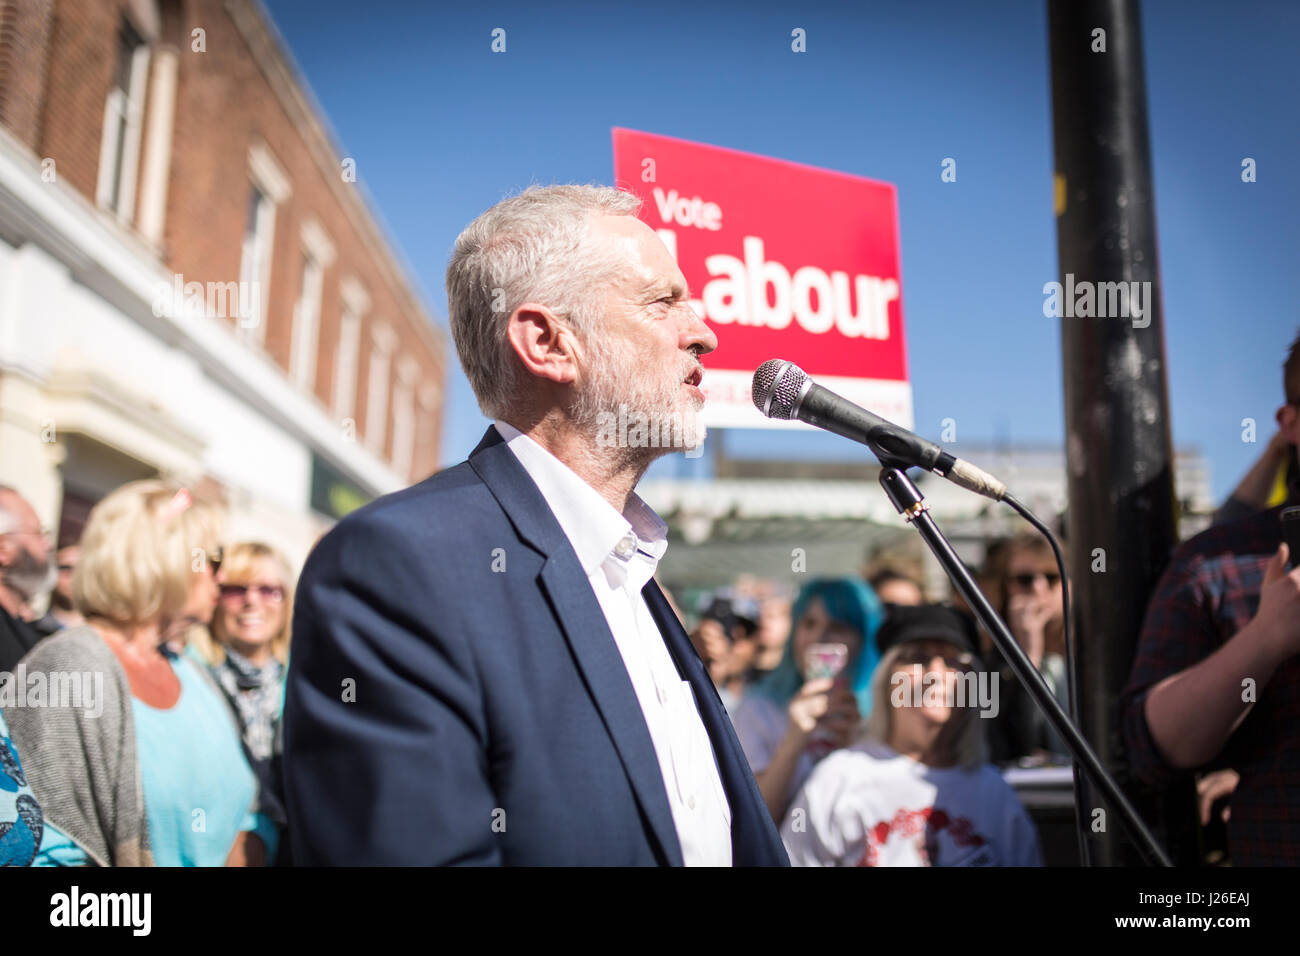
603	669
754	838
585	629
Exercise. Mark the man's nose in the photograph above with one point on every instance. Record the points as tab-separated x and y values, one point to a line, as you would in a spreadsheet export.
697	335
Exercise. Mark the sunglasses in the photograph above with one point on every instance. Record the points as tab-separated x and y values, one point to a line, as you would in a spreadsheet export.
957	660
270	593
1026	581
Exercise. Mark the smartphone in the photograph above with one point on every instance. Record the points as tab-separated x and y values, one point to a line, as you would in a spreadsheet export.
1291	535
827	660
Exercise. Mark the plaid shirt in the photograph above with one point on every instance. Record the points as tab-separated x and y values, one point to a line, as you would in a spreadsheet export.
1209	592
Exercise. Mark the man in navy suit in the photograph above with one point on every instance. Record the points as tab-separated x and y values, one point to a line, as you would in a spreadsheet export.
484	670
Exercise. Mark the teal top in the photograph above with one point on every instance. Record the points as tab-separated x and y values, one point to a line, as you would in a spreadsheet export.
198	787
20	815
59	849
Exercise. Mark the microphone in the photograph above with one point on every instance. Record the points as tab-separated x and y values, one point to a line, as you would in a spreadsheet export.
782	390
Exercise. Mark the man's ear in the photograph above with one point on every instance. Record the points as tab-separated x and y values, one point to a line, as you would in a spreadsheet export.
543	342
1288	422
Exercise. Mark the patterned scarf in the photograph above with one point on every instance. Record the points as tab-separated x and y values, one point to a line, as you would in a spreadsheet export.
256	693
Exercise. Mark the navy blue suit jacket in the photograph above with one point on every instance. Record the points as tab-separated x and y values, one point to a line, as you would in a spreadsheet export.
440	711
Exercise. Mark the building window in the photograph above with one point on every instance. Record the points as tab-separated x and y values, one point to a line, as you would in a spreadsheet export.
269	188
382	343
318	255
156	144
356	303
119	153
306	319
255	264
345	364
408	376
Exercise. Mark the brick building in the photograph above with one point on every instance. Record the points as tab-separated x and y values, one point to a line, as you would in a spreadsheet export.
192	283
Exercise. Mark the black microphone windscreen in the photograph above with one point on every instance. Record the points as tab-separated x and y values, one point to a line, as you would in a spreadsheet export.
776	388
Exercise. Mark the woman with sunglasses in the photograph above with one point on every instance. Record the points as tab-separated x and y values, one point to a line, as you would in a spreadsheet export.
1027	593
144	765
248	653
917	789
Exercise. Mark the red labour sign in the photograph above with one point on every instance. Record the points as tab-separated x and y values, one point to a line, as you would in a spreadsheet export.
784	261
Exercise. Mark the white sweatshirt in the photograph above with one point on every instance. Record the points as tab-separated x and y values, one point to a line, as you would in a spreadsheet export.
868	805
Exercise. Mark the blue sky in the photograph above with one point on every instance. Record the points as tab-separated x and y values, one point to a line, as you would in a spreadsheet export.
441	128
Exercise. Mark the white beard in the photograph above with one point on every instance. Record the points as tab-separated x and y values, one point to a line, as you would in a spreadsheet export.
33	580
618	384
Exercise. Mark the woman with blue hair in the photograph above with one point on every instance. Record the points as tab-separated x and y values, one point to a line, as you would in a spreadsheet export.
795	716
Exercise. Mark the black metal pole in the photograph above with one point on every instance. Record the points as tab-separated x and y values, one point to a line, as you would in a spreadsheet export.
907	499
1121	523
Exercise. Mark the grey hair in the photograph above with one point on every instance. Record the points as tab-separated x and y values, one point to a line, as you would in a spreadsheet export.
970	749
535	246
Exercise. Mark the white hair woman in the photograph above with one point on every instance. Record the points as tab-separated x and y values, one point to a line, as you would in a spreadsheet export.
144	765
917	789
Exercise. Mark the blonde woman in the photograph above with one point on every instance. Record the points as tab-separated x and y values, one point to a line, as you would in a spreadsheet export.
917	790
145	765
249	645
247	654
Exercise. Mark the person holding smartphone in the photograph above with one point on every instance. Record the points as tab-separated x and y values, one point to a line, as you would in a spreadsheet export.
813	702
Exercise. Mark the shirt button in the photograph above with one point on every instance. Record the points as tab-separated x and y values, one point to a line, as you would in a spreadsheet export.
690	802
625	547
663	696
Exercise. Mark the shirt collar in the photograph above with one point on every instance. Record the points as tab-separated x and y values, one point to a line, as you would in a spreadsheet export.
627	545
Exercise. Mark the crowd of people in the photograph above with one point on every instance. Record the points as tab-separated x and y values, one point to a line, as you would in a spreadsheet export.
174	756
855	767
180	764
155	738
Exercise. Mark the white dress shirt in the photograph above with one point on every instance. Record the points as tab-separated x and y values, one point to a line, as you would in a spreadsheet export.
619	554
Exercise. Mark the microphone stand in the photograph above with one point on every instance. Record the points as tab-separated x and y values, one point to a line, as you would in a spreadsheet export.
905	496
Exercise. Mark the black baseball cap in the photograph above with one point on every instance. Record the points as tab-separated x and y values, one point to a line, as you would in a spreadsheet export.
730	611
926	622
